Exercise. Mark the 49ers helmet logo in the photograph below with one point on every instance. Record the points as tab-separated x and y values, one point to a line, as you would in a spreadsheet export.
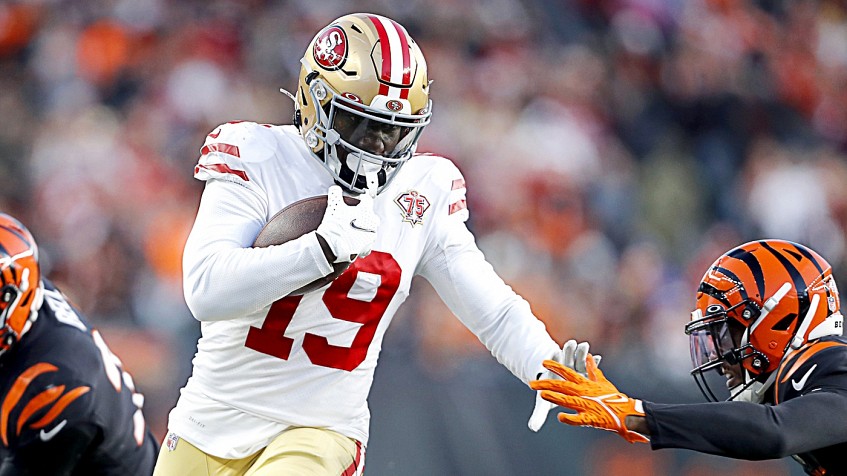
330	50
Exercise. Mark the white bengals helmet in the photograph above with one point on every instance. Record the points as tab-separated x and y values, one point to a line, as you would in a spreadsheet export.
362	100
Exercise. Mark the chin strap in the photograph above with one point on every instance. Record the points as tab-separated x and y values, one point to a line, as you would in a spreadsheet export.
752	391
373	184
297	119
285	91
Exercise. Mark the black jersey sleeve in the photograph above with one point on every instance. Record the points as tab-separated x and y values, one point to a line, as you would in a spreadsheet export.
751	431
58	456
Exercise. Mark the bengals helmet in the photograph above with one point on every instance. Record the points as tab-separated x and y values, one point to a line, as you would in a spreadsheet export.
20	296
754	304
362	99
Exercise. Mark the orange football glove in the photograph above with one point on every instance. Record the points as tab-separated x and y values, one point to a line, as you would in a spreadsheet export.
596	400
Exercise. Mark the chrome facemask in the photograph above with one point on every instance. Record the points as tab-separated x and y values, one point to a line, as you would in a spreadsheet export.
348	163
711	345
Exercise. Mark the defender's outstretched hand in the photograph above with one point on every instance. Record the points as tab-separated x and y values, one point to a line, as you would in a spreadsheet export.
572	355
349	230
597	402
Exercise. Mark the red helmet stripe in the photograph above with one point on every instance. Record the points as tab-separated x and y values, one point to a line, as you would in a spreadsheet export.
396	68
385	47
407	66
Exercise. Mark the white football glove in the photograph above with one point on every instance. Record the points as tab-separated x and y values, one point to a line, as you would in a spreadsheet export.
572	355
349	230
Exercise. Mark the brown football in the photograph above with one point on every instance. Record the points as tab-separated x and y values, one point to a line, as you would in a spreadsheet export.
294	221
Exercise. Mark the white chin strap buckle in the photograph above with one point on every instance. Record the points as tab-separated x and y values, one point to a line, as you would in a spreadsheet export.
373	183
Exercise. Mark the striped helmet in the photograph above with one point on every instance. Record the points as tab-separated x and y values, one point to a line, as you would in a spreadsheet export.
362	99
20	294
758	301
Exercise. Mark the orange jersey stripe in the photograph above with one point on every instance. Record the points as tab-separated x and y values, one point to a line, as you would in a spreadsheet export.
37	403
805	353
17	391
60	405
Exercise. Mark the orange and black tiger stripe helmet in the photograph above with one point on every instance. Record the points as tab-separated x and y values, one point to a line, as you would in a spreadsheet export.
20	281
782	293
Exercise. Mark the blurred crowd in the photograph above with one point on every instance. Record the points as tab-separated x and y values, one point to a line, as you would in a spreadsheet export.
612	150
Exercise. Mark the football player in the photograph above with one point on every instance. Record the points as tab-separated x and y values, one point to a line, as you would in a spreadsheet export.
281	379
768	319
68	407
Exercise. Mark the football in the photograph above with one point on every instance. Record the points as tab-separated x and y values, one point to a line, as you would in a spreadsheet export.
294	221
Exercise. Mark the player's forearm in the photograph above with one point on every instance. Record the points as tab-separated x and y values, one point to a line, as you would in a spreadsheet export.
223	276
230	283
638	424
519	341
724	428
501	319
715	428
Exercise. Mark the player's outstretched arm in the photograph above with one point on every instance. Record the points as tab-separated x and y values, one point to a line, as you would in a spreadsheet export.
597	402
751	431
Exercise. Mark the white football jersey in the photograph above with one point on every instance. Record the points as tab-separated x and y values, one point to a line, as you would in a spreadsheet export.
267	361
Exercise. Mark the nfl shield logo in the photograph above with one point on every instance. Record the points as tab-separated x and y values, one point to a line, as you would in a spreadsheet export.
413	205
171	440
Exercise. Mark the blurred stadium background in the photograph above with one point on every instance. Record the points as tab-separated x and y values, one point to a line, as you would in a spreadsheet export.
612	150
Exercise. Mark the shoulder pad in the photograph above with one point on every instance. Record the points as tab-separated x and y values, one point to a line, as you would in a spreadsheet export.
446	176
230	149
821	364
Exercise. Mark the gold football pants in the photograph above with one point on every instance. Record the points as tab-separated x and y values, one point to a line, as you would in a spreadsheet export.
297	451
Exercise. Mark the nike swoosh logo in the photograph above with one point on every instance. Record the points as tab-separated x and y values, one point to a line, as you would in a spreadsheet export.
798	385
354	225
214	135
48	435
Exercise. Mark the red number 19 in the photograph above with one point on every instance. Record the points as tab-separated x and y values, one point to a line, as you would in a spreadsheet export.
270	338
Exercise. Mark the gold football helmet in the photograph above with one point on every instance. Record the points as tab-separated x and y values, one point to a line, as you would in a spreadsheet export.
362	100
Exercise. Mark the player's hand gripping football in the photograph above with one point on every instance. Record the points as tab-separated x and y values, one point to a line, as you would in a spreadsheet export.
571	355
597	402
349	230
